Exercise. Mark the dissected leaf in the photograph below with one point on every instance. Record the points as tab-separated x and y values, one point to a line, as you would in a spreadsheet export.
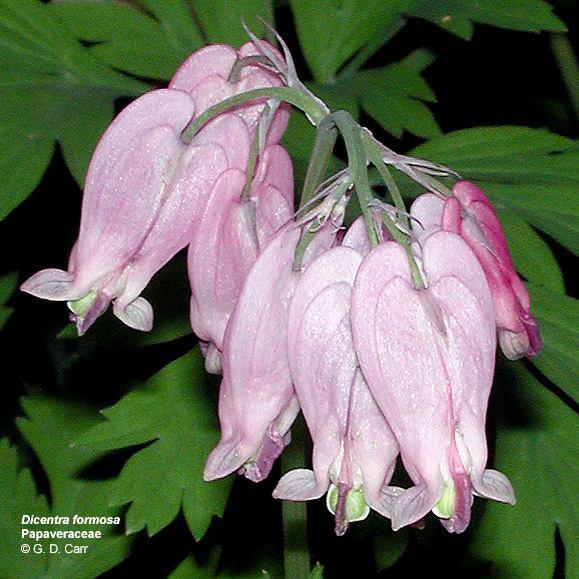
531	254
7	286
558	317
51	89
18	496
537	449
131	40
457	16
222	20
389	547
50	427
174	412
522	169
395	95
331	31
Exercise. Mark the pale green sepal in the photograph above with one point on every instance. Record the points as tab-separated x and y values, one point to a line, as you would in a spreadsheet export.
357	508
444	508
83	305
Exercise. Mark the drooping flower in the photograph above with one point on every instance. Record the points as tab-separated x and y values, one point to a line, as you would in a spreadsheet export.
470	214
428	358
354	449
124	191
257	404
145	190
232	232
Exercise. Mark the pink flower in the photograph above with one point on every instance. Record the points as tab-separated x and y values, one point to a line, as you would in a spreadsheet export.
428	358
204	75
146	191
231	234
257	404
354	449
123	196
471	214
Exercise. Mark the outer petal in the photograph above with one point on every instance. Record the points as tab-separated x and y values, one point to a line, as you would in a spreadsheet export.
357	238
210	60
397	352
426	212
123	194
220	258
256	408
195	174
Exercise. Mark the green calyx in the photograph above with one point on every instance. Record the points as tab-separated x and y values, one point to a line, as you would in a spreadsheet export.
357	508
444	508
83	305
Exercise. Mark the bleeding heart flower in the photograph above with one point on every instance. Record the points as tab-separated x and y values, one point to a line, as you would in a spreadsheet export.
428	358
257	404
354	449
470	214
230	236
126	187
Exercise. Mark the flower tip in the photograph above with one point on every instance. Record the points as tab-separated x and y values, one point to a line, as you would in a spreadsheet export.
49	284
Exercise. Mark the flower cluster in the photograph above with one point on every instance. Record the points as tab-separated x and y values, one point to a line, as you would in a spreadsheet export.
384	335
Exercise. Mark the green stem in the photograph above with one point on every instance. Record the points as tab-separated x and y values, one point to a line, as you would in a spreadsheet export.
563	52
251	164
350	131
289	95
375	156
296	555
240	63
301	247
323	147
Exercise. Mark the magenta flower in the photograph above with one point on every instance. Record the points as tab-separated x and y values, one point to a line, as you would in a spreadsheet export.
257	404
471	214
428	358
231	234
354	449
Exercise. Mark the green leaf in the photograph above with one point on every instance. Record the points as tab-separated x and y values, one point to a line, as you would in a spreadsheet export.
457	16
130	40
222	20
555	213
331	31
536	449
395	95
523	170
50	427
389	547
531	254
18	496
7	286
175	413
558	317
47	77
